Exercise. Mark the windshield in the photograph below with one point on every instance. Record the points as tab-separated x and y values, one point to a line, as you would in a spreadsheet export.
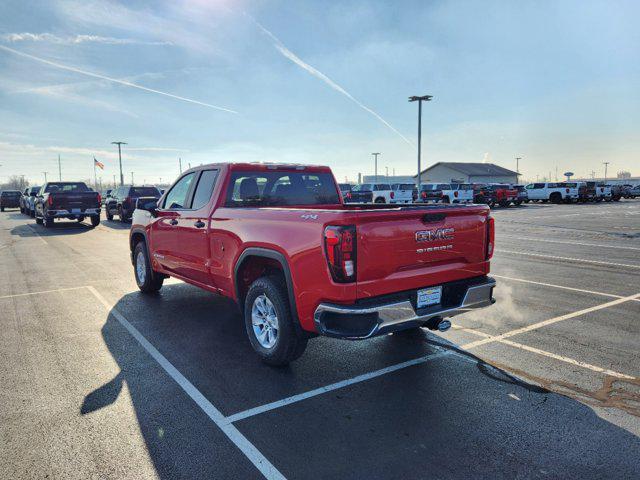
249	189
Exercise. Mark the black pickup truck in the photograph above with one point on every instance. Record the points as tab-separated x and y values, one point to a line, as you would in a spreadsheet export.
72	200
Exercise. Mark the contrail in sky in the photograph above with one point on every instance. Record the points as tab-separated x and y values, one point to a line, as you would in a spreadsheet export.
318	74
114	80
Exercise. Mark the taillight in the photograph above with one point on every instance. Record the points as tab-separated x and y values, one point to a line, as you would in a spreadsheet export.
340	245
391	195
50	200
348	195
455	194
491	237
423	194
127	200
567	190
99	198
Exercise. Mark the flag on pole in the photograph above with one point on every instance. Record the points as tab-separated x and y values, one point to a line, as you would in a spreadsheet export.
98	164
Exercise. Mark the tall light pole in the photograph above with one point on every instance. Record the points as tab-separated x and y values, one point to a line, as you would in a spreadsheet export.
45	176
120	158
132	179
59	169
375	155
180	163
424	98
606	164
518	168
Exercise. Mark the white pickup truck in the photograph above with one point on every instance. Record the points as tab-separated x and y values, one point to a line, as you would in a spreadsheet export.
554	192
603	192
458	193
402	192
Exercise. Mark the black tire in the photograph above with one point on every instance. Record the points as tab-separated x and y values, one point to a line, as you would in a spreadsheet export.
32	213
555	198
517	203
290	343
80	219
108	214
95	220
123	219
48	222
446	200
1	209
380	200
38	220
152	280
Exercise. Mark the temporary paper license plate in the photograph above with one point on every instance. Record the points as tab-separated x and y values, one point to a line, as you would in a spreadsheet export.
429	296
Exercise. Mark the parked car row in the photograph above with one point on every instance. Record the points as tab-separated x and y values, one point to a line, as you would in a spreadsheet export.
492	194
76	201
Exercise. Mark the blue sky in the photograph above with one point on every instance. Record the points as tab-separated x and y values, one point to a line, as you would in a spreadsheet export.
317	82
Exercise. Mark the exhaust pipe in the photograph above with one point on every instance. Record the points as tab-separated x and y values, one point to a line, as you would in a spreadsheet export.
438	323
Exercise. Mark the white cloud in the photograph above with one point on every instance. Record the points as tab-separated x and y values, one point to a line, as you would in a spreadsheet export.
114	80
318	74
74	40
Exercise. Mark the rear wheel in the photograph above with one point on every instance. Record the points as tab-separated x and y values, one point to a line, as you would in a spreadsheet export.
270	324
148	281
1	209
123	219
380	200
108	213
80	219
48	222
95	221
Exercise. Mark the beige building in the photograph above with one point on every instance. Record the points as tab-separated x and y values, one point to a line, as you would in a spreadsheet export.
465	172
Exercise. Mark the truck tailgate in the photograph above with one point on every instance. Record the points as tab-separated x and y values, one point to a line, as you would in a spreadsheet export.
417	248
75	200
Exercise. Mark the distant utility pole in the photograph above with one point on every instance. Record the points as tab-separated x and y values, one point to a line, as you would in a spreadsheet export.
120	158
132	179
45	176
114	181
593	175
386	169
518	168
606	164
375	155
556	173
180	163
59	169
424	98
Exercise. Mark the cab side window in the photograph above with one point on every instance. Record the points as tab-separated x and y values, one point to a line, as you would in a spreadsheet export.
204	189
177	197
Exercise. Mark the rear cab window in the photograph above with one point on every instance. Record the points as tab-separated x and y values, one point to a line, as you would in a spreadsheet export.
144	192
67	187
280	188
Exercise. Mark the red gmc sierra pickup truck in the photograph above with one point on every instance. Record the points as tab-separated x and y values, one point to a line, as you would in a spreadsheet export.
300	262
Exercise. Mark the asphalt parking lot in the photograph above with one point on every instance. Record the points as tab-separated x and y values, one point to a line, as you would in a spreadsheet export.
99	381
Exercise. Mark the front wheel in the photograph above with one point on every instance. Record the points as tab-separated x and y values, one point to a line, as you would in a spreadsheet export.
147	280
270	324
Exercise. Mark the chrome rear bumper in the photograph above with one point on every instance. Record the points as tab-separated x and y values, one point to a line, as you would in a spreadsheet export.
360	322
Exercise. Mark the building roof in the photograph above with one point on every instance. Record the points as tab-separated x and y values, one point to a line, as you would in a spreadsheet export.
474	169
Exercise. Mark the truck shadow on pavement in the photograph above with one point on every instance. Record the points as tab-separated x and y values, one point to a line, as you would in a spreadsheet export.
447	418
60	228
116	224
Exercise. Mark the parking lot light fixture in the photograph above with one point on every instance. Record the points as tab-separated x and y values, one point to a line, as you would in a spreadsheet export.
120	159
424	98
375	164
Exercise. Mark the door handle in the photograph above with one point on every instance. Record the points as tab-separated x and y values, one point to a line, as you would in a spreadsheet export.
199	224
173	221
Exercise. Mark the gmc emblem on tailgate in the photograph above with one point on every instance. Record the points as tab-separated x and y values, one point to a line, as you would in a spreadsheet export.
437	234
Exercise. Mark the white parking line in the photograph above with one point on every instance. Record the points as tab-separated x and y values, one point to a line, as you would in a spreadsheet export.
569	259
592	292
547	354
334	386
239	440
620	247
550	321
43	291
